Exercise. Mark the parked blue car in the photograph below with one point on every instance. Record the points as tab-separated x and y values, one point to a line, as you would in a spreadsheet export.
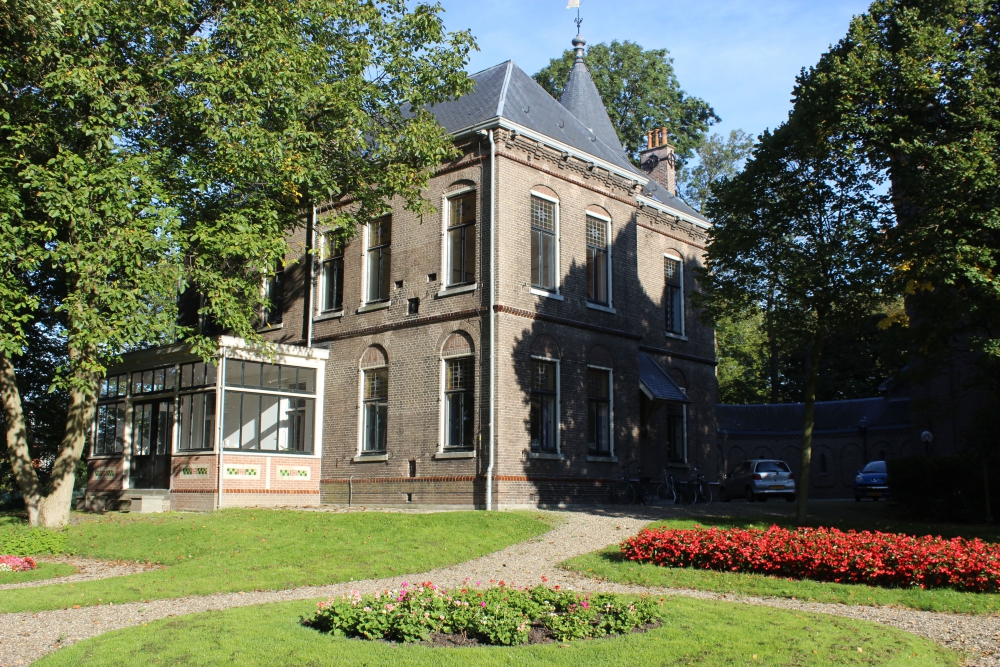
872	482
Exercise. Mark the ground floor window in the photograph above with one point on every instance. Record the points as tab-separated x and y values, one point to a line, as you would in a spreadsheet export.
599	411
197	420
267	422
109	434
459	402
544	405
375	409
676	442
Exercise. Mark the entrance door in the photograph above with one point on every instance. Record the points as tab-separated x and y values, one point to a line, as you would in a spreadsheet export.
152	434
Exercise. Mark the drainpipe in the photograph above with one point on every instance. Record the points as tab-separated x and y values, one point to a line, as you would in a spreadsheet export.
311	270
219	412
493	322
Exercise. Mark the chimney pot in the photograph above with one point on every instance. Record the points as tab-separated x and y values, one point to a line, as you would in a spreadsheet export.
658	160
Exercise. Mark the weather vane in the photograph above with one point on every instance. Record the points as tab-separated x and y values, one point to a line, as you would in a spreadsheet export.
575	4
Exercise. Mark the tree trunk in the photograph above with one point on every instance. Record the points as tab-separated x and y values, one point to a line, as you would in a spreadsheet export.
54	508
986	490
17	440
808	420
772	347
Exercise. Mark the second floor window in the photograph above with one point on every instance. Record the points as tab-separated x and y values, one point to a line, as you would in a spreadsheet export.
599	411
543	244
379	260
274	291
544	405
376	410
459	402
333	272
673	296
597	260
462	239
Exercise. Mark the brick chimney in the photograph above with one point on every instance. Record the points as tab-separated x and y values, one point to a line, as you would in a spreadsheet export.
658	161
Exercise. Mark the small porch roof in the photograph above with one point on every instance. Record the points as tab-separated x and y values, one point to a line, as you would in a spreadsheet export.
656	384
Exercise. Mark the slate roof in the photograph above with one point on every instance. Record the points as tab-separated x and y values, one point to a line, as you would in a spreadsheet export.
658	383
507	91
878	413
580	96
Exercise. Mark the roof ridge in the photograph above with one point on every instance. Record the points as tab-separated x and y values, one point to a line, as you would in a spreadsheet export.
503	90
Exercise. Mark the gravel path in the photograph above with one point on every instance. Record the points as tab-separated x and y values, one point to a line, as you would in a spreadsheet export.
27	636
87	569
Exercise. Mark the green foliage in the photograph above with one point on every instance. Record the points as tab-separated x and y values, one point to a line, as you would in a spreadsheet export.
241	550
718	157
24	541
640	91
742	351
496	615
41	571
696	633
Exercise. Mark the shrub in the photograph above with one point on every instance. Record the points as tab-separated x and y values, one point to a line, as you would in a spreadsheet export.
25	541
16	564
826	554
943	488
498	615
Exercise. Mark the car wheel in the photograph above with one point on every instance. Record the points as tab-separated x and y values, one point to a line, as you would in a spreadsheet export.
750	496
723	496
790	498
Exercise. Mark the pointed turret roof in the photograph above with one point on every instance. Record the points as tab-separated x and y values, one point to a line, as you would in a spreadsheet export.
580	96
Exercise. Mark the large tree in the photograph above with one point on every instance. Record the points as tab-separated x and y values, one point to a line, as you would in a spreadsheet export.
718	157
150	146
796	233
640	91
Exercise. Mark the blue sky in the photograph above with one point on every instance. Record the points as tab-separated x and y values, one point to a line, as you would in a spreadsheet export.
741	56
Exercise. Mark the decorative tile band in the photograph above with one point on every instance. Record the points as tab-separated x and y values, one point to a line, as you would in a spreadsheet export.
191	472
107	473
299	473
245	472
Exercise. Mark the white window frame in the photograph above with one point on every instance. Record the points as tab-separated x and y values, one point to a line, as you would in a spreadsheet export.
365	303
611	414
610	304
361	455
445	255
324	255
674	255
541	454
442	388
557	294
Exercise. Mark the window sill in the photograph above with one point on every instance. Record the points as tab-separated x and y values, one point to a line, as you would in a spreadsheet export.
674	336
551	456
330	315
104	457
679	464
458	289
455	455
194	452
371	458
602	459
601	307
369	307
270	327
259	452
548	295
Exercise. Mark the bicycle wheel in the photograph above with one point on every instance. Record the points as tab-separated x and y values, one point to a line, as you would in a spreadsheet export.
707	495
623	493
690	493
664	492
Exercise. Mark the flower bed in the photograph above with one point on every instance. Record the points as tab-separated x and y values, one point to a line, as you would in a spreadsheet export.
16	564
826	554
496	615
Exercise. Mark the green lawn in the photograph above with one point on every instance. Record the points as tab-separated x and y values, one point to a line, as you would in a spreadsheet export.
694	632
235	550
43	571
608	565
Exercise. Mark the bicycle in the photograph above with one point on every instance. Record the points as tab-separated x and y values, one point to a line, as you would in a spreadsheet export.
667	489
623	492
697	489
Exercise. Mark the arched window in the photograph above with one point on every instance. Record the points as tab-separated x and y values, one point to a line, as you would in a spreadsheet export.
545	395
374	400
598	256
459	392
673	293
460	240
544	241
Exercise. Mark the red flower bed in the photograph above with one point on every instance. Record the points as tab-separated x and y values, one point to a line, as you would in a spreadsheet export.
826	554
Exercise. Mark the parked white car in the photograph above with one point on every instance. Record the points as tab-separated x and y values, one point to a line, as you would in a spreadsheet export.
757	480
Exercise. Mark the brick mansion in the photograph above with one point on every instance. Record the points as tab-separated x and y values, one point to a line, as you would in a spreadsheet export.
517	349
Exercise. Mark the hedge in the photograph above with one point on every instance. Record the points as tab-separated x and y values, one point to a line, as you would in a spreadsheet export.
944	488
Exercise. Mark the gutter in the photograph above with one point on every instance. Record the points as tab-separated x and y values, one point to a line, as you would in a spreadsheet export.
493	322
311	263
219	411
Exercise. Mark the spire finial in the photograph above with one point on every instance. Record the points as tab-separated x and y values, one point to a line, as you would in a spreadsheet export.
578	41
578	44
